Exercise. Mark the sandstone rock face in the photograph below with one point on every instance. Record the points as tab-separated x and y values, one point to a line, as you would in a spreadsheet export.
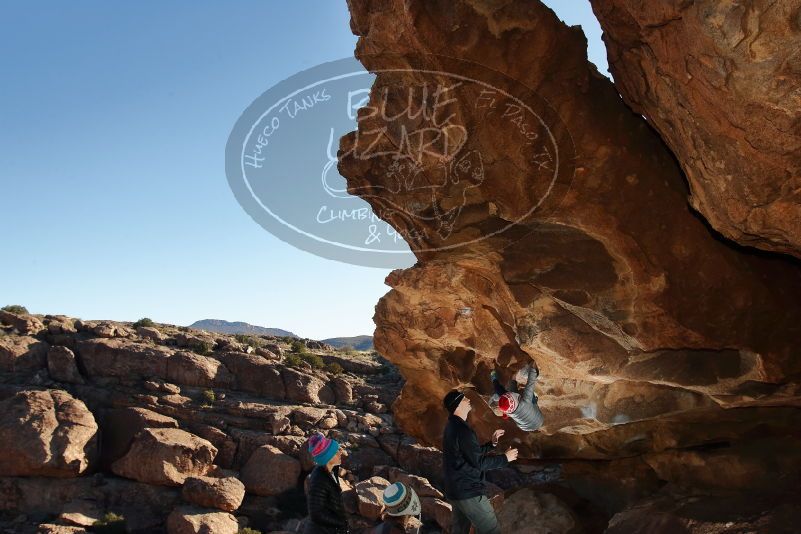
530	512
62	367
46	433
120	426
270	472
165	456
22	353
304	387
719	81
145	507
707	513
254	374
24	324
192	520
570	243
190	369
123	359
225	493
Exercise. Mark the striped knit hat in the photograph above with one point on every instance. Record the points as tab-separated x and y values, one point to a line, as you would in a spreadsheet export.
322	449
507	403
400	499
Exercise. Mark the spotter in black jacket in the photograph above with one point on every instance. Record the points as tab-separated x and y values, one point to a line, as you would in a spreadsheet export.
465	461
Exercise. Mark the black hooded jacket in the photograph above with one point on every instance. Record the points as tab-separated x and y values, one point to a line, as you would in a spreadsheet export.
326	509
465	461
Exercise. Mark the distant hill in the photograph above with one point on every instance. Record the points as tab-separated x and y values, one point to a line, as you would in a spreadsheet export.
357	342
238	327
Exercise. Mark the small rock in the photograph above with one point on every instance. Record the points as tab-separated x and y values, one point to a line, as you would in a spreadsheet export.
192	520
279	424
270	472
81	513
149	332
62	367
327	423
368	495
438	510
51	528
264	353
158	384
223	493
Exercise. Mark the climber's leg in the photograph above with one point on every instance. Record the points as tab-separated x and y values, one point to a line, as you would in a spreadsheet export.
499	389
460	524
479	513
528	392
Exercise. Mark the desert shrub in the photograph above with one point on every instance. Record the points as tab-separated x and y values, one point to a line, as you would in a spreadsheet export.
144	321
298	346
110	523
202	347
248	340
314	360
334	368
15	308
209	396
293	360
347	349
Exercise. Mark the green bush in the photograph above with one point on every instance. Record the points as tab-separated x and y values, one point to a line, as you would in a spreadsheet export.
144	321
15	308
312	359
293	360
202	347
334	368
296	360
248	530
248	340
209	396
110	523
298	346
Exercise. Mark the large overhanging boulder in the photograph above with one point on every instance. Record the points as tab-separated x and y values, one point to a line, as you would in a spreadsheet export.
650	332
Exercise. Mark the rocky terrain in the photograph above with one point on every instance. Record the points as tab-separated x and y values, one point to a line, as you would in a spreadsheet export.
553	222
179	430
639	241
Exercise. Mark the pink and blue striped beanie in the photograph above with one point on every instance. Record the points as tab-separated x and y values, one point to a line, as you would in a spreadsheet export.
322	449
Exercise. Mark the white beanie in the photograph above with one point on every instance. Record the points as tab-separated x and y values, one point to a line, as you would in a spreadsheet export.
400	499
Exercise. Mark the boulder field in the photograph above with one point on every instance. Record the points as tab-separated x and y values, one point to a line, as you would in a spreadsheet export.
179	430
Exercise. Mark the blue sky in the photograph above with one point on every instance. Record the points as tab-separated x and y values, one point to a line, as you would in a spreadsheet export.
114	198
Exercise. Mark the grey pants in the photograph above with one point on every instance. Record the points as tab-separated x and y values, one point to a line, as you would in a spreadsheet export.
476	511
